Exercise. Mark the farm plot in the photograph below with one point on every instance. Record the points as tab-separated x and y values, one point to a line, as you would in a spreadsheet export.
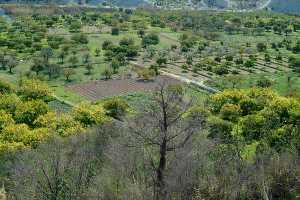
107	88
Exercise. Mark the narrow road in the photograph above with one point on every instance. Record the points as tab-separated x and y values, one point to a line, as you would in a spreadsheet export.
189	81
63	100
182	79
266	4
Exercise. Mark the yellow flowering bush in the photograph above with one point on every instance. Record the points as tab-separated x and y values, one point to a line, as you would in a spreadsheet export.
89	114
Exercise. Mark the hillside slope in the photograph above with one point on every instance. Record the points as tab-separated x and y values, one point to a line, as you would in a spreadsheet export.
292	6
285	6
275	5
129	3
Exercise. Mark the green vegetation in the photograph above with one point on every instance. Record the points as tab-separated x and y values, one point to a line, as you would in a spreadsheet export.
27	120
255	116
251	132
76	48
93	105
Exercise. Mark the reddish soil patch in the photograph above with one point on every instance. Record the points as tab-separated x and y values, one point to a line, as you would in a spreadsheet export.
102	89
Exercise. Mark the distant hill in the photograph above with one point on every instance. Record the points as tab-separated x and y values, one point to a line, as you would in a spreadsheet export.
290	6
125	3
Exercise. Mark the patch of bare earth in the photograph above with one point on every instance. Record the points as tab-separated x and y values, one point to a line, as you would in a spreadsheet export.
108	88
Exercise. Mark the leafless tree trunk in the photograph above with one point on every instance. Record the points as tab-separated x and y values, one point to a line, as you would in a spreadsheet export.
166	126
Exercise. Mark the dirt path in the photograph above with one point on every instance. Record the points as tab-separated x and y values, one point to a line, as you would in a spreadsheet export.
168	37
189	81
182	79
265	4
64	101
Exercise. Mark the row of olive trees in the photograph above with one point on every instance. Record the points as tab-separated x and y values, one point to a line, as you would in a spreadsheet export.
44	64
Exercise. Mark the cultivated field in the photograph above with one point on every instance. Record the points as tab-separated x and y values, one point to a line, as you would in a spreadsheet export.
83	49
107	88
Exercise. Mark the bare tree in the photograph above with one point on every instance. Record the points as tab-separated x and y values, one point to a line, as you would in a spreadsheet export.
166	126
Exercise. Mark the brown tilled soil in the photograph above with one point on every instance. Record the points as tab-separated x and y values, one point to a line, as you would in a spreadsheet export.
107	88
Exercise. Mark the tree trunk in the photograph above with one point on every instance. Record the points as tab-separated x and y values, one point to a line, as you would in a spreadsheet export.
264	191
160	172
